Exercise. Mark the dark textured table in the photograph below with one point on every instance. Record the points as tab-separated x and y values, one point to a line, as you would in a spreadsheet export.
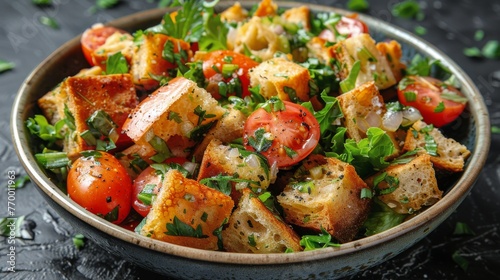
450	26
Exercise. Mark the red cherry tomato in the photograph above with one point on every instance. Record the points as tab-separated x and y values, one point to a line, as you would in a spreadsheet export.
439	103
149	176
100	184
347	26
290	134
93	38
213	70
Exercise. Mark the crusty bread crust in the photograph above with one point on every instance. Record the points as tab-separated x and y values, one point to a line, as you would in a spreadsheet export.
253	228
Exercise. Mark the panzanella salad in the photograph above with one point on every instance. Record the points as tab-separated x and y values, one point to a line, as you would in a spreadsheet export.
258	130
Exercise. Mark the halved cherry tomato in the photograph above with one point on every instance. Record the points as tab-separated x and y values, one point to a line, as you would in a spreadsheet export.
214	70
285	137
149	176
347	26
94	37
100	184
439	103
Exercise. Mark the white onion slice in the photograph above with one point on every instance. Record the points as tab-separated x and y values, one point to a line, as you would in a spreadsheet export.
392	120
410	116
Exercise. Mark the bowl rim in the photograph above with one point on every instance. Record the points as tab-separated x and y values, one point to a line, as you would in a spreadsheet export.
458	192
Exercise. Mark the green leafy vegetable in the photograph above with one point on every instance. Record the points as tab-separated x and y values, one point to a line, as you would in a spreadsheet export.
6	65
420	30
460	260
223	184
495	129
491	49
42	2
463	229
408	9
260	142
161	148
49	21
40	127
479	35
116	64
358	5
215	34
79	241
188	22
179	228
313	242
106	4
350	82
472	52
381	218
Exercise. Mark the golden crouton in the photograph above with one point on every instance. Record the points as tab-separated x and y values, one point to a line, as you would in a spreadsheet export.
117	42
180	108
113	94
374	66
330	200
318	48
136	158
235	13
253	228
392	52
52	103
283	78
187	213
298	15
227	129
417	185
257	37
222	159
451	155
266	8
363	107
148	61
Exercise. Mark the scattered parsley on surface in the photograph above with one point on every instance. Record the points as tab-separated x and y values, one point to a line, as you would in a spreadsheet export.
358	5
6	65
49	21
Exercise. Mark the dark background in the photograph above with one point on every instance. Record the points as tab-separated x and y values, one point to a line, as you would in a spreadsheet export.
450	25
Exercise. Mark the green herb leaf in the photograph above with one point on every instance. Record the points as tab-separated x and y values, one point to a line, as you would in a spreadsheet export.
350	82
49	21
366	193
460	260
106	4
116	64
147	195
313	242
260	141
251	240
215	34
472	52
6	65
328	115
420	30
491	50
407	9
161	148
179	228
381	218
42	2
188	23
358	5
439	108
479	35
79	241
463	229
112	215
19	182
40	127
495	129
11	226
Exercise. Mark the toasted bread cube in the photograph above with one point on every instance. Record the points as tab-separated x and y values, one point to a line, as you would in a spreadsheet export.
374	66
318	48
283	78
364	107
222	159
258	38
147	60
392	52
183	202
417	185
113	94
451	154
266	8
331	200
235	13
227	129
172	110
299	15
253	228
136	158
117	42
52	103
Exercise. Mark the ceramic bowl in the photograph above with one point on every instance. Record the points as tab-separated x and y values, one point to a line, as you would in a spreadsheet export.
472	130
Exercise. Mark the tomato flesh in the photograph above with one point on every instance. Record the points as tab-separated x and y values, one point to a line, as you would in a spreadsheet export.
213	65
100	184
431	97
294	133
93	38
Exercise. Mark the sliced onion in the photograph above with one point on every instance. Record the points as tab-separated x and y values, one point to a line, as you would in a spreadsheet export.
233	153
392	120
190	166
252	161
410	116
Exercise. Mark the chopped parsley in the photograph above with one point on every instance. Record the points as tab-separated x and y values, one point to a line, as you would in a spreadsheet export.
79	241
313	242
49	21
408	9
116	64
261	141
358	5
179	228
